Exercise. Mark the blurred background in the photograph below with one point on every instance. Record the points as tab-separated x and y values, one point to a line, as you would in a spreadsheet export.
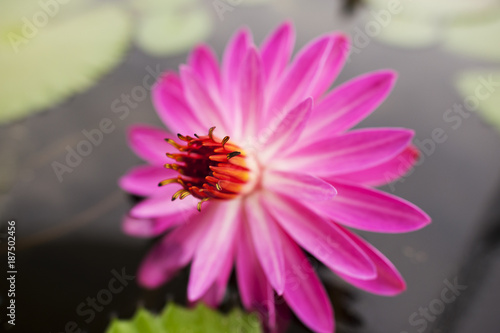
67	66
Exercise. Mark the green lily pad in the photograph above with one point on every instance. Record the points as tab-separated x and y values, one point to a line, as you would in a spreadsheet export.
171	26
489	99
46	55
409	33
152	5
463	26
476	37
176	319
410	25
432	9
236	3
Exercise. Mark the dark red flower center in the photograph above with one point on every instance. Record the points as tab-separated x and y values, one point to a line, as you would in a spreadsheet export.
209	168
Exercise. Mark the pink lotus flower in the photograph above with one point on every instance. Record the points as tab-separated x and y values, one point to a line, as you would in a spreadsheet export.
279	172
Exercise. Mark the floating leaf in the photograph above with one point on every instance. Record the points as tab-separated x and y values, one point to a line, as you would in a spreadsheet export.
488	95
171	26
145	6
47	56
464	26
432	9
476	37
176	319
409	33
236	3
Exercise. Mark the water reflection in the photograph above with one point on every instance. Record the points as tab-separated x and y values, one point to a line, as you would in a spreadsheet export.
476	267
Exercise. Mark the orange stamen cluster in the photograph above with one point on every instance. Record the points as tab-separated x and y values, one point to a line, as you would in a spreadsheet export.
209	168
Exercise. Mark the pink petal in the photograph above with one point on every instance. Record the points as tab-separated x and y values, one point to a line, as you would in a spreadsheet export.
251	278
332	65
172	107
354	150
388	281
276	51
316	65
204	62
256	293
385	172
215	294
150	227
319	237
266	242
171	254
235	51
204	106
161	205
143	180
231	69
216	247
350	103
300	185
279	136
372	210
210	298
250	90
148	143
304	293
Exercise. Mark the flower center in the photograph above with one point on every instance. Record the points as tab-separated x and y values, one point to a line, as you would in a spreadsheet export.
209	168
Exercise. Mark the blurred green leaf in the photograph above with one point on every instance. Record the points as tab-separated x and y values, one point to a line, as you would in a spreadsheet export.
477	37
170	32
171	26
176	319
489	106
144	6
409	33
48	54
236	3
463	26
431	9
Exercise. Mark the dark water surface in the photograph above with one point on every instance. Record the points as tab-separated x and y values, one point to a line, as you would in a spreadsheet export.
70	245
